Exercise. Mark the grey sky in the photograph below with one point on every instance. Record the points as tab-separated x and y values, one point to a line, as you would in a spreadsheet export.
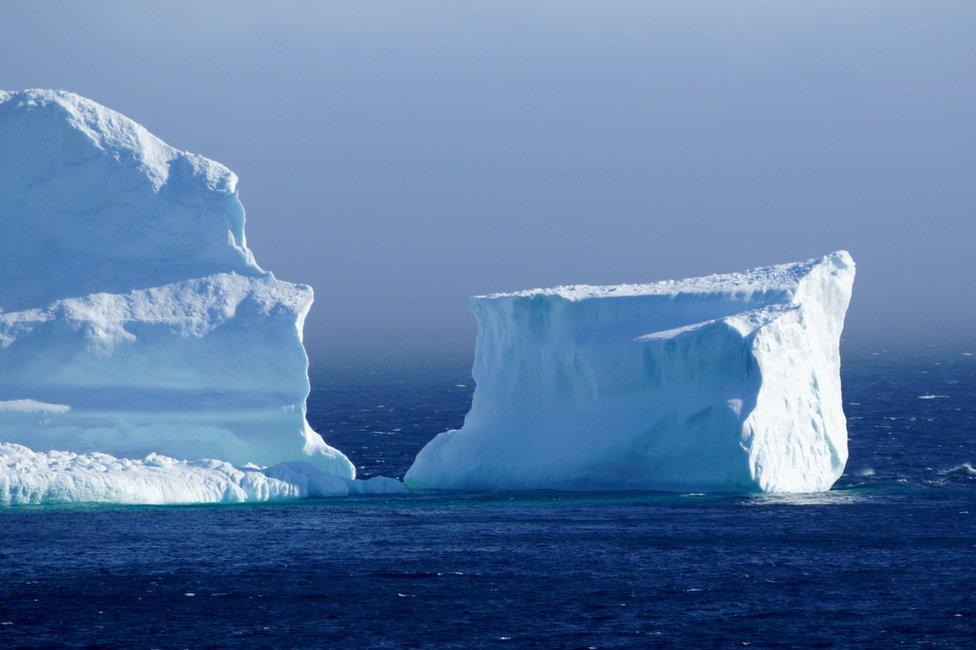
400	157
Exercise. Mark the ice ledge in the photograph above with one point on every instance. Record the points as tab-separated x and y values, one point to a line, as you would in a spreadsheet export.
32	478
780	277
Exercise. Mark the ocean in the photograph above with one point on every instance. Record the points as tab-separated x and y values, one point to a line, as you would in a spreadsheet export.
888	557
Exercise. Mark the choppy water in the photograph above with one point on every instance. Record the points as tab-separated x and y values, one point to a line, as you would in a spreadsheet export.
888	557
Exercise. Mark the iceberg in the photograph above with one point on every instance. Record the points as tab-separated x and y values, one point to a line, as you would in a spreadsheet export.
721	383
136	323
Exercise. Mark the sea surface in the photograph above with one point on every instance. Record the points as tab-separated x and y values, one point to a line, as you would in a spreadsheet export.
887	558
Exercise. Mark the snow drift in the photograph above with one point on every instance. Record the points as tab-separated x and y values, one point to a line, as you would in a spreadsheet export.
722	383
134	320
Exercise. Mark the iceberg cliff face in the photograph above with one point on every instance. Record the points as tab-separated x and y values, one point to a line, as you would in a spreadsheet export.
721	383
134	320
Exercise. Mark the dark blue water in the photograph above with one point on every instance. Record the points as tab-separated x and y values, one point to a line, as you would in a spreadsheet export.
887	558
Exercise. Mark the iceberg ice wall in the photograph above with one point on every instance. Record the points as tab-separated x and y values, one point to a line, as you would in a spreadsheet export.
721	383
134	320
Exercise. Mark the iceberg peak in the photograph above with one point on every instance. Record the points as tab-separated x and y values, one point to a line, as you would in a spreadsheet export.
90	190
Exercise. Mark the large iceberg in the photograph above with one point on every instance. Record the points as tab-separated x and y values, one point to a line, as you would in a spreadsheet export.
721	383
134	320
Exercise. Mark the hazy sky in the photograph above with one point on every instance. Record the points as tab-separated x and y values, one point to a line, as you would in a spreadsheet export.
400	157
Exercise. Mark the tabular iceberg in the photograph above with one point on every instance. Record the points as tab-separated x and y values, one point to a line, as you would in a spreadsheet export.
721	383
134	320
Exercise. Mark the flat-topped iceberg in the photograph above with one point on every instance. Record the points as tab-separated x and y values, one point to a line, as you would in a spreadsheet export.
135	322
721	383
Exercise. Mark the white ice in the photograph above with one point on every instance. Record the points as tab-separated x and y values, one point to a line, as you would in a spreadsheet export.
30	478
721	383
135	321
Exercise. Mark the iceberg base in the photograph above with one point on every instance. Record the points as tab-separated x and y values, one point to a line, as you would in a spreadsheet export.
28	477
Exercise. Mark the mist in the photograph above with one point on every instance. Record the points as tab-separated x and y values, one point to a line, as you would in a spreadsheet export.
403	157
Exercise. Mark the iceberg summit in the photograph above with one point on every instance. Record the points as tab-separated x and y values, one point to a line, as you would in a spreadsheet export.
721	383
136	324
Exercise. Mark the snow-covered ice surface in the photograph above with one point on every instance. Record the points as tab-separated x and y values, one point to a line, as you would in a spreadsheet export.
135	322
722	383
29	477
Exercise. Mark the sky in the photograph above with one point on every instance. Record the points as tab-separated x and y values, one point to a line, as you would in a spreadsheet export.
401	157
